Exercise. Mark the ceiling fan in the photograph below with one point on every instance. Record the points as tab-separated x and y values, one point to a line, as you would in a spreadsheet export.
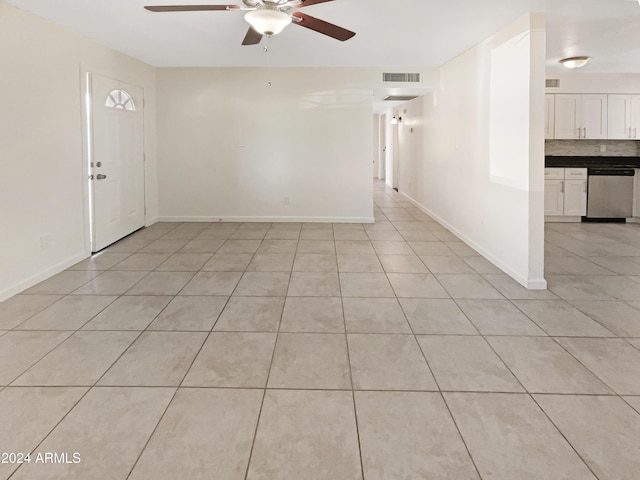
269	17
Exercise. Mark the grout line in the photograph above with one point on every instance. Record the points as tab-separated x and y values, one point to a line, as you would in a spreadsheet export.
440	391
144	447
56	425
563	436
266	383
353	395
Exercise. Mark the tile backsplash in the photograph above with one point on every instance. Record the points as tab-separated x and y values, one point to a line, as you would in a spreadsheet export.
591	148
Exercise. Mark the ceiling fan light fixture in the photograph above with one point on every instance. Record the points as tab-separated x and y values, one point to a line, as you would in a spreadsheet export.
575	62
267	21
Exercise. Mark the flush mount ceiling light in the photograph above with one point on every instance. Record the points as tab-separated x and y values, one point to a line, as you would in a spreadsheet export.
267	21
575	62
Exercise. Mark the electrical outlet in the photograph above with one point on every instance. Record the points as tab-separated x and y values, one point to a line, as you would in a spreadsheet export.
285	201
44	242
603	148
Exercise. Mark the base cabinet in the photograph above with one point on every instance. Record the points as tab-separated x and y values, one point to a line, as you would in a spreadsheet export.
554	197
575	198
565	192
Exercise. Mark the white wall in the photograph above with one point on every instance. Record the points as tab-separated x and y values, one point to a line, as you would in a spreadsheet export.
42	166
465	178
232	148
411	143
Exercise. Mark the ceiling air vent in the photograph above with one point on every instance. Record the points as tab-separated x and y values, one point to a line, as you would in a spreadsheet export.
401	77
399	98
553	83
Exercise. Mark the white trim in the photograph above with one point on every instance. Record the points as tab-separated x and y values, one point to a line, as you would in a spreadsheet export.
267	219
44	275
532	284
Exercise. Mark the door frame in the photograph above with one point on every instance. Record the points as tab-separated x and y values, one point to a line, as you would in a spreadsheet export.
382	147
87	152
395	138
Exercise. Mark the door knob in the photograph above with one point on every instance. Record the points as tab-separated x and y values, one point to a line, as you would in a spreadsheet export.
99	164
101	176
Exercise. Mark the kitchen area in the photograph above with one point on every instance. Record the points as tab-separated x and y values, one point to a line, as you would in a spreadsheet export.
592	156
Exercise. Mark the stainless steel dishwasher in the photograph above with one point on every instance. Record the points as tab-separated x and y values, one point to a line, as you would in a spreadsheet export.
610	193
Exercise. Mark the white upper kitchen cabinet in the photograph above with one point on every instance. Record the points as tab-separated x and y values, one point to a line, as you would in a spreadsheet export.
624	117
549	117
580	116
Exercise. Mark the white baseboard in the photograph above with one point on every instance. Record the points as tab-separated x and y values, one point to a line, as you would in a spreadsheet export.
39	277
267	219
532	284
150	221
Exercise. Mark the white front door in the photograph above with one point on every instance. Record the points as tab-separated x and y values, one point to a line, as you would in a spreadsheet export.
117	161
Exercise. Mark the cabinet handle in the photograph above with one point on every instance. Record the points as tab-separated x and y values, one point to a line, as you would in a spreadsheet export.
562	186
585	187
585	133
579	133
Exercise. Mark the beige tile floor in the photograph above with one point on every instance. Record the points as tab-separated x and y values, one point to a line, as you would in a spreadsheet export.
318	351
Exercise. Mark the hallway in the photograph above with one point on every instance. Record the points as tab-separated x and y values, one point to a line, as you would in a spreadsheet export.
327	351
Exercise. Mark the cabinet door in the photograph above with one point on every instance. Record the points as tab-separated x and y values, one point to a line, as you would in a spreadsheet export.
549	119
567	117
619	124
554	197
635	116
575	197
594	116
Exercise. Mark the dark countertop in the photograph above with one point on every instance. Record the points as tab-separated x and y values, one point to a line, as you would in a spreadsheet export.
592	162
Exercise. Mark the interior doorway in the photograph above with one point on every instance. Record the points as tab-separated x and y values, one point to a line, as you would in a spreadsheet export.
376	144
382	147
395	136
116	160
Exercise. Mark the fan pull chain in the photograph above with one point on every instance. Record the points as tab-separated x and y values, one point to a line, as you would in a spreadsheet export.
266	51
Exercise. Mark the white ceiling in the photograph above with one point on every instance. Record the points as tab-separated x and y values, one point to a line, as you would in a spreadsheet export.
423	33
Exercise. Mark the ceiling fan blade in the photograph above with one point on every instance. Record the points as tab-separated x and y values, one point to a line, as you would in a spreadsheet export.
321	26
189	8
252	37
306	3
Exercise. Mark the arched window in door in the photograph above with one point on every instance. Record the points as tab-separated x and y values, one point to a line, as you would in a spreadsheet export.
120	99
